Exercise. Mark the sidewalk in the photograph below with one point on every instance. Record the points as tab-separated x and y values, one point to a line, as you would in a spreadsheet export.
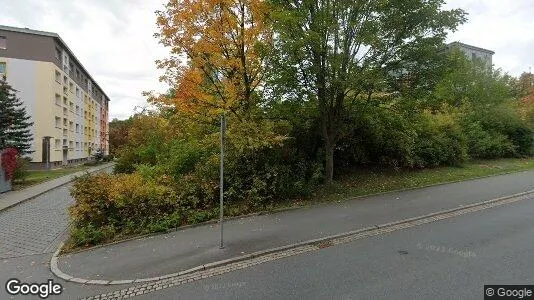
13	198
191	247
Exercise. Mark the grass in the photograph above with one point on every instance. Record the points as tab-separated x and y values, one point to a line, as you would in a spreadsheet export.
40	176
366	182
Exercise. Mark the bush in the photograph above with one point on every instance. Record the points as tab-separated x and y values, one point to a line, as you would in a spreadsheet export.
99	155
90	235
127	203
21	168
392	138
487	144
378	136
440	140
261	179
498	132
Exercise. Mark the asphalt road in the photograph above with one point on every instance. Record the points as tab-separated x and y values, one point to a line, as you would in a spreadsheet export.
449	259
492	246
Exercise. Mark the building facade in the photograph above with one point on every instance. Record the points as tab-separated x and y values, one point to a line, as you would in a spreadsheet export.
474	53
68	108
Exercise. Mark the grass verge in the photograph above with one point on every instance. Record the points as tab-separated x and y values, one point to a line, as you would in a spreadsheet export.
375	181
40	176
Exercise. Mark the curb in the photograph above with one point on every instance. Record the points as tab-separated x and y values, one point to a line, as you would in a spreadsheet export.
47	189
57	272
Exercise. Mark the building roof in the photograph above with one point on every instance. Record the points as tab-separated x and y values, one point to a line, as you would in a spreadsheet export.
60	40
471	47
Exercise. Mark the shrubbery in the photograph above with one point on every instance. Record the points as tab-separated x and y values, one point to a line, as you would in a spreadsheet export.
21	169
107	205
167	171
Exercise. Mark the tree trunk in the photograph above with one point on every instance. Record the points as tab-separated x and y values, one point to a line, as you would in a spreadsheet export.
329	158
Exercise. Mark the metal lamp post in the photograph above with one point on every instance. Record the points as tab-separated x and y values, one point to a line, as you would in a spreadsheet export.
221	178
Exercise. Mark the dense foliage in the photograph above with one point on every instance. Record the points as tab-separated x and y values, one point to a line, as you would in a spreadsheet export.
420	108
9	162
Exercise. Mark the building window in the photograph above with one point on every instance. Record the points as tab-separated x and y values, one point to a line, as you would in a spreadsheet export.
77	146
58	54
58	99
3	68
71	87
71	126
3	42
65	101
473	56
71	144
58	76
58	143
77	128
58	122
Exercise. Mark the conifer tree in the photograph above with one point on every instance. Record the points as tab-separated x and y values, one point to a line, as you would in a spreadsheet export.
14	122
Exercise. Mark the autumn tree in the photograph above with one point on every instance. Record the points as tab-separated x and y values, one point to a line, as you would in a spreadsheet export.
217	61
525	85
118	134
330	51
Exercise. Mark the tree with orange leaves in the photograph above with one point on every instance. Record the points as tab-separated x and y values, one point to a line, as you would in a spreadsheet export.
526	91
217	58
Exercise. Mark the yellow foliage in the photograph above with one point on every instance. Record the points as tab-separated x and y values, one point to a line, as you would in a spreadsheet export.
216	62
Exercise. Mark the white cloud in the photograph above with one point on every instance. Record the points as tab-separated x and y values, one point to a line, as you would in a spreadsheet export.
113	39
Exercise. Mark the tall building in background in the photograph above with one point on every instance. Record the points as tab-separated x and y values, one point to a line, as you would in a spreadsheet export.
473	52
68	108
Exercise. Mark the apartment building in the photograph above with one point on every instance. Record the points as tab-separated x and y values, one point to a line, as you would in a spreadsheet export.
68	108
473	52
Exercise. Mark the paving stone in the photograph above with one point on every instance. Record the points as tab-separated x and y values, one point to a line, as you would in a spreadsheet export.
34	226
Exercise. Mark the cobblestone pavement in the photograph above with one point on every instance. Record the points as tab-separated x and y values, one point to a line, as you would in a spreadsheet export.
35	226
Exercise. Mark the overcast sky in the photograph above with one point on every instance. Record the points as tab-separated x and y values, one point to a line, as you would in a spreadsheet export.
114	38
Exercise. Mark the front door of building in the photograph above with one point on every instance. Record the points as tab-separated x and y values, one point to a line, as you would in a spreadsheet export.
65	156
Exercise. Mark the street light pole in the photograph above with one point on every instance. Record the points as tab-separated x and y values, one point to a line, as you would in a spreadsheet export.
221	176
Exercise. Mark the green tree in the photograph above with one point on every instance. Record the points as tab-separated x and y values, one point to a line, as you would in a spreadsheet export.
14	122
473	82
330	52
